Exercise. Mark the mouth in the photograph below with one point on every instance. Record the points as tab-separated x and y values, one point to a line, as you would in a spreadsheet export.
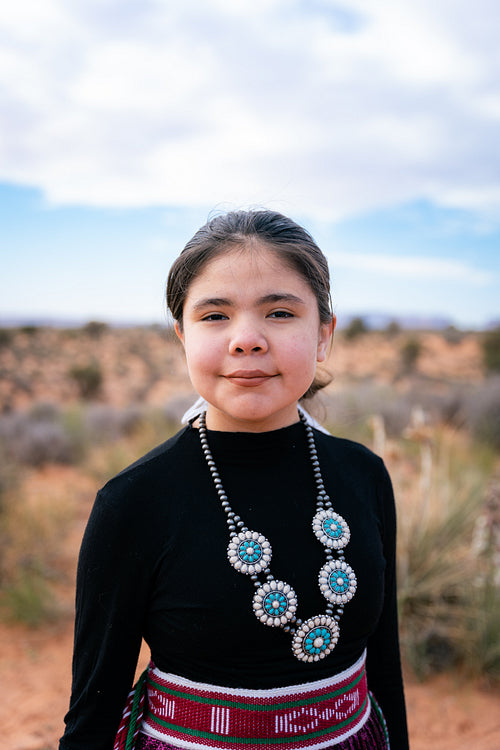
249	378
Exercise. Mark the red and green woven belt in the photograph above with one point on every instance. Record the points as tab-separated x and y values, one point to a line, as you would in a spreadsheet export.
313	715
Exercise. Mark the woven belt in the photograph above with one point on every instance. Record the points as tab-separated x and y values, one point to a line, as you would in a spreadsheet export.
313	715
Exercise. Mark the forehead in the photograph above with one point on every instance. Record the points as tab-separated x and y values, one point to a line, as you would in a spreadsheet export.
253	261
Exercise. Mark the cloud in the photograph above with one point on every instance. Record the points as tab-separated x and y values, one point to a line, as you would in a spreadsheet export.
327	108
412	267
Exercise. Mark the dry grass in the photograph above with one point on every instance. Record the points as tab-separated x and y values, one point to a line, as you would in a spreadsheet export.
449	587
35	517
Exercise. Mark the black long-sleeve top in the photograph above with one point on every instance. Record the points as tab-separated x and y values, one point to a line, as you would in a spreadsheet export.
153	565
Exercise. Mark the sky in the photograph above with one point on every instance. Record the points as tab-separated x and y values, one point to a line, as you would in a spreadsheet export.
125	124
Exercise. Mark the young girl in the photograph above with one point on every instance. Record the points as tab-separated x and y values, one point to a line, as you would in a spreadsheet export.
253	552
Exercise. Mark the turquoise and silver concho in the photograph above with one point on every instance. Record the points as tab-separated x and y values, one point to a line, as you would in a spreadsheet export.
337	582
275	603
249	552
315	638
331	529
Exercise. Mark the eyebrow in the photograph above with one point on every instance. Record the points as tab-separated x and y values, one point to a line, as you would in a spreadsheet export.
212	302
272	298
281	297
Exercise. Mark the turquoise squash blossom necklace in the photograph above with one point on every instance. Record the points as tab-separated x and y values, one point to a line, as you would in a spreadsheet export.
275	602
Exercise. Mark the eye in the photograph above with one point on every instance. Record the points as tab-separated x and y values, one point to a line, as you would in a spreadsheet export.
215	316
281	314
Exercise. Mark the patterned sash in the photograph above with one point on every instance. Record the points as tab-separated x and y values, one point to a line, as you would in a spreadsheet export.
313	715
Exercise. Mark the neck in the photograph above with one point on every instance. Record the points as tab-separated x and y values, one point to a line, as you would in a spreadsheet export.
219	421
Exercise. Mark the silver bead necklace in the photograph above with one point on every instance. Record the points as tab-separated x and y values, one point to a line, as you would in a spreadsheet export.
275	602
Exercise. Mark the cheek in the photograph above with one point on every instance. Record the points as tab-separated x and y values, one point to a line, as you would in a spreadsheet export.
302	352
202	355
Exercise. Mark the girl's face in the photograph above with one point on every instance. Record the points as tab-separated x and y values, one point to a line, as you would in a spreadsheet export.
252	337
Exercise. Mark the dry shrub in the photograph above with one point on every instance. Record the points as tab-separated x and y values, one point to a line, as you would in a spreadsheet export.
484	618
357	327
38	437
473	407
481	412
30	534
88	379
95	329
438	503
410	352
105	424
491	350
348	410
6	337
46	434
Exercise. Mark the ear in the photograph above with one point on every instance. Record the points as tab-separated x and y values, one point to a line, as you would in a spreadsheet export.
325	334
178	331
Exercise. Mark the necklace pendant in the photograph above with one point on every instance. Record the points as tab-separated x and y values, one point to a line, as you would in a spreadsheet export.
275	603
249	552
315	638
331	529
337	582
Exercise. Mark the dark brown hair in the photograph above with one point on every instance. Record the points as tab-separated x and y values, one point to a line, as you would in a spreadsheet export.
291	242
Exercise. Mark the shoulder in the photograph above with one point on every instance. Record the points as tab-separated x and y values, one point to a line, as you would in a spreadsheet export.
349	453
137	505
352	465
158	471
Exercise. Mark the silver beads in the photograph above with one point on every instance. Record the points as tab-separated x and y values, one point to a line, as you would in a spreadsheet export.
275	602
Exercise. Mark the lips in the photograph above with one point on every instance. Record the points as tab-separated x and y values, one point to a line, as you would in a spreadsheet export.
249	378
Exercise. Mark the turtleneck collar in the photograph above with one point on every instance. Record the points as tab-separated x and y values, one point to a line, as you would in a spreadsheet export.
265	447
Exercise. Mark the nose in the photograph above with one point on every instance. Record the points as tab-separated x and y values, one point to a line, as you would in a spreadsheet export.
247	338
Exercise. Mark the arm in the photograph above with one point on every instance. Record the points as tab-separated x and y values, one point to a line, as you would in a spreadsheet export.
111	601
383	658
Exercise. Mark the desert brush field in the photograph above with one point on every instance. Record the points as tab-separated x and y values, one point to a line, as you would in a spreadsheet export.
78	405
